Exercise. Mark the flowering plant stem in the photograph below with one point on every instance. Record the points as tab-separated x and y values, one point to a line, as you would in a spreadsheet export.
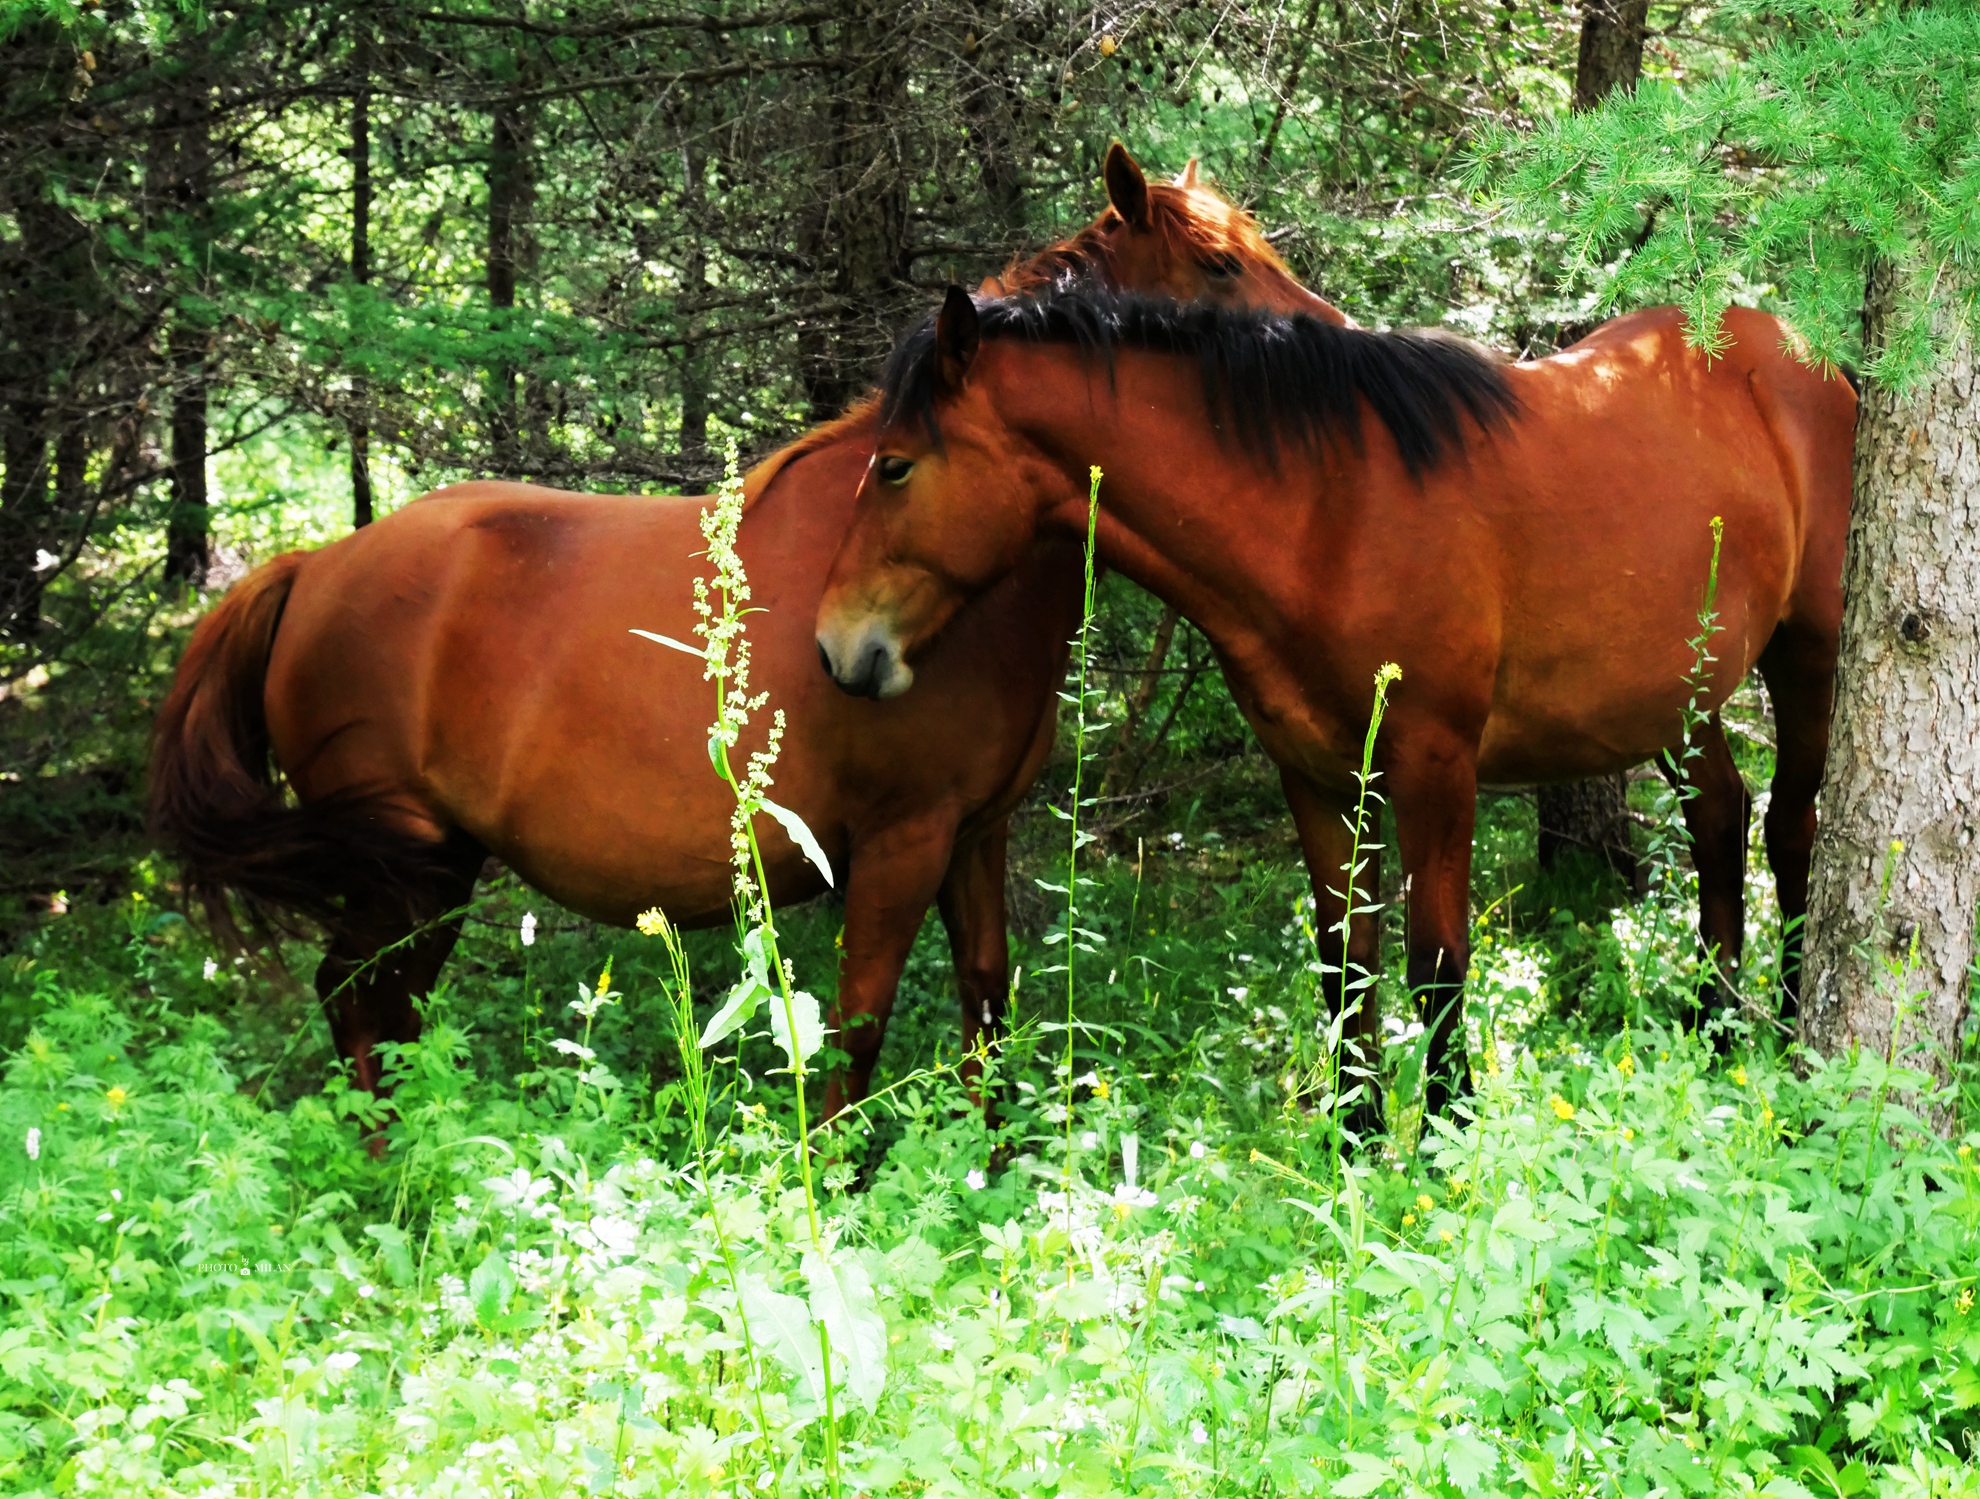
722	607
1072	934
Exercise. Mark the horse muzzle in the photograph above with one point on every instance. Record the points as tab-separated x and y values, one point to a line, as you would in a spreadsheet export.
865	662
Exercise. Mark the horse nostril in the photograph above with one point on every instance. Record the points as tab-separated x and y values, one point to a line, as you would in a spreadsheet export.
872	670
825	659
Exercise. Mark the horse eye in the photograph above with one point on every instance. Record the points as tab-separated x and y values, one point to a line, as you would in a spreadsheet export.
1223	267
895	470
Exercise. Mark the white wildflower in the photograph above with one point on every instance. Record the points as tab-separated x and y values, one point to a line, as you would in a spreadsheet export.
1197	1434
1127	1195
529	929
1198	1150
211	968
976	1180
33	1144
342	1361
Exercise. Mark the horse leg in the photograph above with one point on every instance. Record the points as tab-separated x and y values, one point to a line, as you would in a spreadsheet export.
971	901
1327	840
1717	819
891	881
384	954
1799	667
1433	780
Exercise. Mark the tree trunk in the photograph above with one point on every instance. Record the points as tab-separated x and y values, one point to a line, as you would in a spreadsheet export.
1611	49
188	528
1302	49
510	196
1595	814
1901	794
694	283
991	107
1591	815
23	499
858	233
361	273
1124	757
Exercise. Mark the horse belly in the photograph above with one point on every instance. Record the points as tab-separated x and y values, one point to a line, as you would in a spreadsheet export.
1598	655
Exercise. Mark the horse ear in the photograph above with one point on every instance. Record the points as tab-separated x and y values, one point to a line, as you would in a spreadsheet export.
955	337
1127	189
991	287
1186	178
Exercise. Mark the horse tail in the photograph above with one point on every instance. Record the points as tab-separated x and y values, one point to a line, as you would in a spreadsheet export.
220	806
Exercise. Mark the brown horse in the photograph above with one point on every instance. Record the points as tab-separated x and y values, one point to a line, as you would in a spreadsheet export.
1530	543
459	679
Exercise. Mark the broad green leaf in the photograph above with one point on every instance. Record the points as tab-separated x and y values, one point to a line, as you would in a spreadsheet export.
737	1012
842	1299
490	1287
802	1010
783	1325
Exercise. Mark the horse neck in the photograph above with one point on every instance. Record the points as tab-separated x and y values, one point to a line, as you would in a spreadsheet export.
1181	514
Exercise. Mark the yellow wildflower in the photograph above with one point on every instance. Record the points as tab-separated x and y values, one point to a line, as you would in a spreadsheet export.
1563	1110
1739	1076
1101	1090
116	1097
1445	1235
604	979
1629	1134
1424	1202
1965	1151
1491	1061
1627	1065
1408	1219
61	1108
652	923
1965	1302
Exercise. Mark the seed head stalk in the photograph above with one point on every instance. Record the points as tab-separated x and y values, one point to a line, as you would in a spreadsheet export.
1073	933
722	608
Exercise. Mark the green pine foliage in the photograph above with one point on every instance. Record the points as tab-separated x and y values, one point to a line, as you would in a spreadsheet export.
1847	136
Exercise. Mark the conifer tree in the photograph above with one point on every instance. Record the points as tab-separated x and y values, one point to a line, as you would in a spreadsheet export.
1835	170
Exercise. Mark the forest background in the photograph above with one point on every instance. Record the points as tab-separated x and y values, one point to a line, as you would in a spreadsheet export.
268	272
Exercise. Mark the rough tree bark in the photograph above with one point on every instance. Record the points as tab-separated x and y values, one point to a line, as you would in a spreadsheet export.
1611	54
857	237
1302	49
187	144
511	195
23	495
361	268
694	286
992	109
1594	815
1125	761
1902	788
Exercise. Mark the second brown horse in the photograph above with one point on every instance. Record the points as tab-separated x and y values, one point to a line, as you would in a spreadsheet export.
459	679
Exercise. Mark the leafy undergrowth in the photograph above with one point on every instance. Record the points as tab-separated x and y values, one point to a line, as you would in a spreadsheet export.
1634	1269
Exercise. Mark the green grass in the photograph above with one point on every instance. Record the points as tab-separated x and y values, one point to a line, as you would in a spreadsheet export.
1638	1269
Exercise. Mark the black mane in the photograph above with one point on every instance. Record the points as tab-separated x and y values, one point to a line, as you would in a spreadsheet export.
1265	376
